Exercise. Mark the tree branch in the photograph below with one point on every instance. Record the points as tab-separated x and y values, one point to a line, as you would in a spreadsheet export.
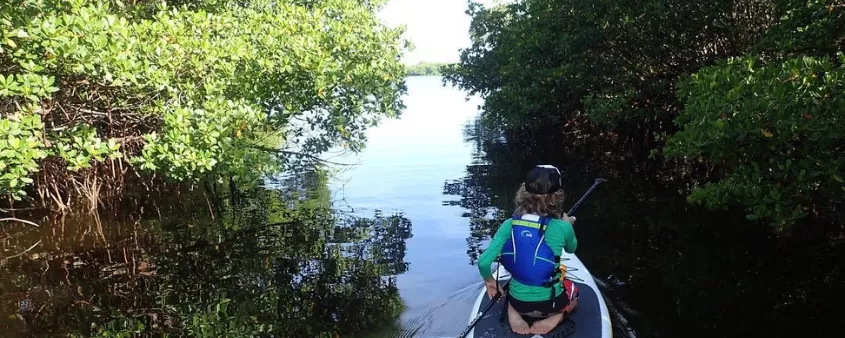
22	253
314	159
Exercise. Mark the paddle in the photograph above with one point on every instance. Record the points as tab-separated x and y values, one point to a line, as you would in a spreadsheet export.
496	298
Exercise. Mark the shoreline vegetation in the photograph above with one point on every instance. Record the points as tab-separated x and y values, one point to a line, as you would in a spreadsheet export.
426	69
743	100
97	97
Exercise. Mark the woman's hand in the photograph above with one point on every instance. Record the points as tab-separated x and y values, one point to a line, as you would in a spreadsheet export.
570	219
493	288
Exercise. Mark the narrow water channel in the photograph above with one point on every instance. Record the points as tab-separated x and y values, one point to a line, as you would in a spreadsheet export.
396	234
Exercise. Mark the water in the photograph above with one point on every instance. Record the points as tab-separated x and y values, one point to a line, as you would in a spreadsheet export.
398	233
404	168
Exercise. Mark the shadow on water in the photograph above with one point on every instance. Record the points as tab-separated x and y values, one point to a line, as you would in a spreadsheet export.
667	268
272	262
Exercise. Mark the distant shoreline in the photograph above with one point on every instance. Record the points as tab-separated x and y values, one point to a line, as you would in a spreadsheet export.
426	69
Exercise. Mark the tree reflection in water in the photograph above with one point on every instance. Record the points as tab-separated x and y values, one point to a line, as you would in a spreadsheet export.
271	262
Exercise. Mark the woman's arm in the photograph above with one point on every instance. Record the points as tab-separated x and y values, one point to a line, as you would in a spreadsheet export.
571	242
494	250
561	237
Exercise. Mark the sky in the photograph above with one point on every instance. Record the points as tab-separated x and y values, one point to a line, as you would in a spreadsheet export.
437	28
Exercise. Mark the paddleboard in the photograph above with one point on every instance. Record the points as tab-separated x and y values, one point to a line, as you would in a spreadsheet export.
589	320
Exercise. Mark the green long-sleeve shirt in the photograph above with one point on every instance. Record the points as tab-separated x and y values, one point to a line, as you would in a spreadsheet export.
559	236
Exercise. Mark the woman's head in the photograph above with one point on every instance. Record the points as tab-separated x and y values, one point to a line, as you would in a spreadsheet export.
541	193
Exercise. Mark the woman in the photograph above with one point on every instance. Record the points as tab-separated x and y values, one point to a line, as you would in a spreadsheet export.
529	246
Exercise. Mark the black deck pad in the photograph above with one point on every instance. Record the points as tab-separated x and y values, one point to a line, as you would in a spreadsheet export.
584	322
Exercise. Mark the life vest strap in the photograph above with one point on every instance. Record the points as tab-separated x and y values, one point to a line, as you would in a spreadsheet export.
544	222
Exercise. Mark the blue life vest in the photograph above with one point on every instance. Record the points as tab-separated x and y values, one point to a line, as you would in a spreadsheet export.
526	256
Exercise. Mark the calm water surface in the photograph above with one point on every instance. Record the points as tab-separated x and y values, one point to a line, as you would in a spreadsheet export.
404	168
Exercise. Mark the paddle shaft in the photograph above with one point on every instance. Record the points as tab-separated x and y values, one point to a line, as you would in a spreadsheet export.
589	192
484	311
505	287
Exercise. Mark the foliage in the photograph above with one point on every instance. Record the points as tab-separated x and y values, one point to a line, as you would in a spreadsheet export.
188	91
610	69
779	127
773	119
20	148
538	62
118	328
425	69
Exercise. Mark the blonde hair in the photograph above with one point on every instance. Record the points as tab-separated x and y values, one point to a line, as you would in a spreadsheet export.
543	205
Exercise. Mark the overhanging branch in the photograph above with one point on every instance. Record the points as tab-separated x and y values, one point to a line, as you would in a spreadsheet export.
313	159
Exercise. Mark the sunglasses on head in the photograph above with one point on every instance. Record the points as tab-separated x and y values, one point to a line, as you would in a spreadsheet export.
548	166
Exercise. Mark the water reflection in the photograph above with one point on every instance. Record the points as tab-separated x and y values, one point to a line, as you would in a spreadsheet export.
269	262
667	268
